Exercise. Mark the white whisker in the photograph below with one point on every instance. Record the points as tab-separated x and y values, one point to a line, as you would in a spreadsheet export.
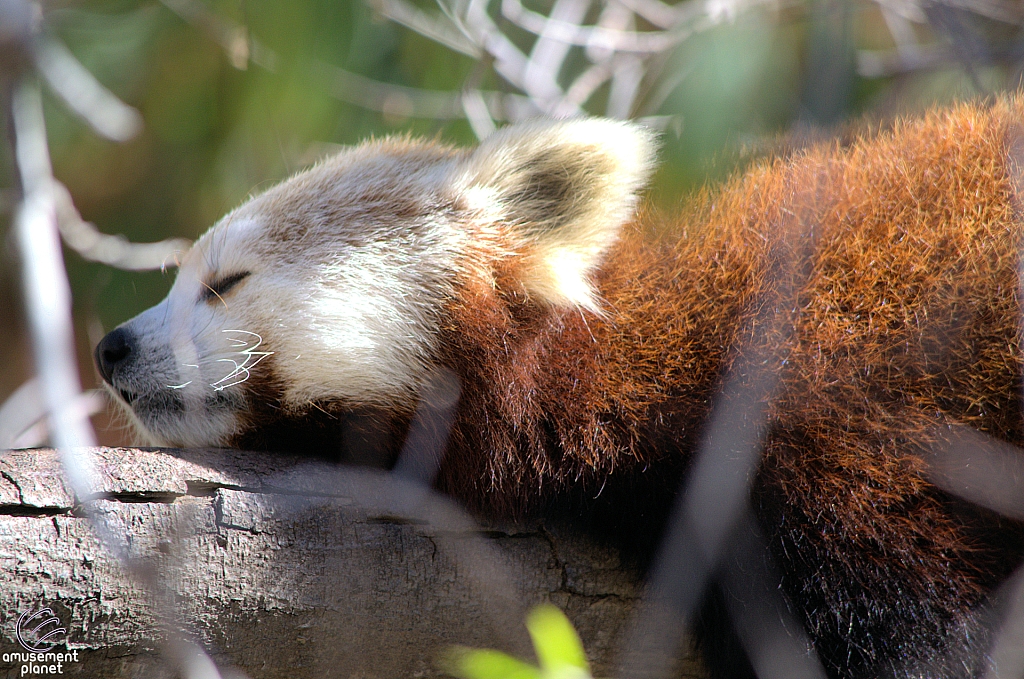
241	371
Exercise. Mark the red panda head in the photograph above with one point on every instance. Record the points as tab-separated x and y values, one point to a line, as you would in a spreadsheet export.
327	290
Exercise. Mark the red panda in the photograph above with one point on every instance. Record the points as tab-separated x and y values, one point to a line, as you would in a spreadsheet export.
878	282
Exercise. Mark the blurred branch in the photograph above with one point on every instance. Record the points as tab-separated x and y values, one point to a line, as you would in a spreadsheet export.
999	10
631	62
23	415
663	15
1007	652
390	99
234	38
83	94
589	82
626	79
47	291
879	64
437	28
572	33
548	56
109	117
117	251
478	114
618	54
399	100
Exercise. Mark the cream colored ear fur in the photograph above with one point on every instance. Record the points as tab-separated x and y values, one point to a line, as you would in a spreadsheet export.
563	189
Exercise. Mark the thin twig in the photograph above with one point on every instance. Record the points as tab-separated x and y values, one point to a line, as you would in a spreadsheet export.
1000	10
626	79
586	84
83	94
549	54
437	28
117	251
480	119
48	302
23	414
413	102
234	38
46	289
569	31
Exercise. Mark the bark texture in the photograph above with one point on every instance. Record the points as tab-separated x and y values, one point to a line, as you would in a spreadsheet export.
282	567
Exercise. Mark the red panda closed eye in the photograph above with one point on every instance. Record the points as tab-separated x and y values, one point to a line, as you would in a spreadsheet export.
590	339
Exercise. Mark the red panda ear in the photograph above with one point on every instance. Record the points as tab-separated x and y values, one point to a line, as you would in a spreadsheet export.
562	190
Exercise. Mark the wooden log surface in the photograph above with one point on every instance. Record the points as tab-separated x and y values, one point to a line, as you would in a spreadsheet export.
282	567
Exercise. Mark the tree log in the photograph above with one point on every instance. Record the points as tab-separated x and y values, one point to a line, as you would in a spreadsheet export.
281	567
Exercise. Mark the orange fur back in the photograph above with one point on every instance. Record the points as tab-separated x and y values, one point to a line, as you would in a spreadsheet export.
888	272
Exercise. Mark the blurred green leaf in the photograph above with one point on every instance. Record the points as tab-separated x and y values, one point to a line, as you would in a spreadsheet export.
472	663
555	641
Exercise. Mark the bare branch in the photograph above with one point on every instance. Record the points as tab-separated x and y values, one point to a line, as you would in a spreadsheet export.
586	84
234	38
999	10
84	238
629	72
550	50
480	119
437	28
83	94
878	64
20	411
48	295
899	26
616	17
396	100
48	301
572	33
664	15
509	61
1007	651
413	102
978	468
909	10
23	415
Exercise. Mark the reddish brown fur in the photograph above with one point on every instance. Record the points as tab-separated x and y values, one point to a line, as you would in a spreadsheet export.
907	323
878	278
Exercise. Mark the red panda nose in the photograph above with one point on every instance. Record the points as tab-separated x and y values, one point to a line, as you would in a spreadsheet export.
112	351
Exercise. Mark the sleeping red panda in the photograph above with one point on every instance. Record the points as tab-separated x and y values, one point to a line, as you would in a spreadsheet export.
590	339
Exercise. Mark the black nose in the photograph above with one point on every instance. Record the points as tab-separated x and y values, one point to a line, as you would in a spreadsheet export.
112	350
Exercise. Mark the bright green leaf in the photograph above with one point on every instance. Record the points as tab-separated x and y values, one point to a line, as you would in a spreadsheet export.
557	645
468	663
555	642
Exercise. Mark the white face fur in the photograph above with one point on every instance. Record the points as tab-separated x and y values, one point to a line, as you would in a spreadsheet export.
330	287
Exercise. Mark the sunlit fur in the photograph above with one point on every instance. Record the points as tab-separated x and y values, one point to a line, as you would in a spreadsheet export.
352	263
878	280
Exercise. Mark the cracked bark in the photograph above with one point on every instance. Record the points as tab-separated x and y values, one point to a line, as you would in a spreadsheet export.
285	567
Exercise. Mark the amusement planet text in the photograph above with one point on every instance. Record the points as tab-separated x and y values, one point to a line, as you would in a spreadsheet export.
36	664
